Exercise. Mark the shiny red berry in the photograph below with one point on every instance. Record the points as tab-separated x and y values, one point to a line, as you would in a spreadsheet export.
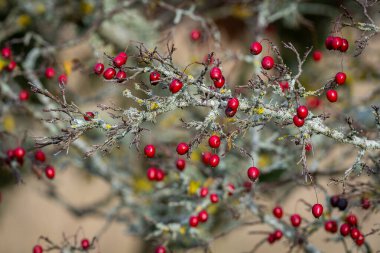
88	116
267	62
62	79
119	61
23	95
230	189
150	150
40	156
344	229
203	216
124	55
160	249
299	122
98	68
344	47
50	172
121	75
11	66
19	152
151	173
193	221
365	203
308	147
38	249
214	160
340	78
109	73
255	48
175	86
154	77
296	220
6	52
206	157
331	226
85	243
317	210
216	73
233	103
271	238
160	175
278	234
354	233
49	72
317	55
203	192
284	85
182	148
352	220
214	198
360	240
253	173
180	164
195	34
219	83
302	111
336	43
277	212
214	141
329	42
332	96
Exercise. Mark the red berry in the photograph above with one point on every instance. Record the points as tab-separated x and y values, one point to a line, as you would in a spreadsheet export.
360	240
328	42
365	203
317	210
121	75
271	238
23	95
214	198
89	116
85	244
149	150
253	173
180	164
215	73
160	175
119	61
154	77
151	173
278	234
193	221
302	111
62	79
37	249
298	121
6	52
336	43
19	152
203	192
40	156
277	212
98	68
317	55
195	34
313	102
50	172
182	148
203	216
340	78
355	233
49	72
206	157
230	112
267	62
109	73
175	86
352	220
11	66
160	249
231	189
331	226
124	55
256	48
214	141
233	103
332	96
344	229
214	160
344	46
218	83
284	85
295	219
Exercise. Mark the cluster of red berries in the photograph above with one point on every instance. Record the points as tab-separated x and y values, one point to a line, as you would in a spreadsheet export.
336	43
209	158
175	85
203	192
153	173
346	228
50	73
299	119
195	219
267	62
110	73
275	236
232	106
217	77
85	244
